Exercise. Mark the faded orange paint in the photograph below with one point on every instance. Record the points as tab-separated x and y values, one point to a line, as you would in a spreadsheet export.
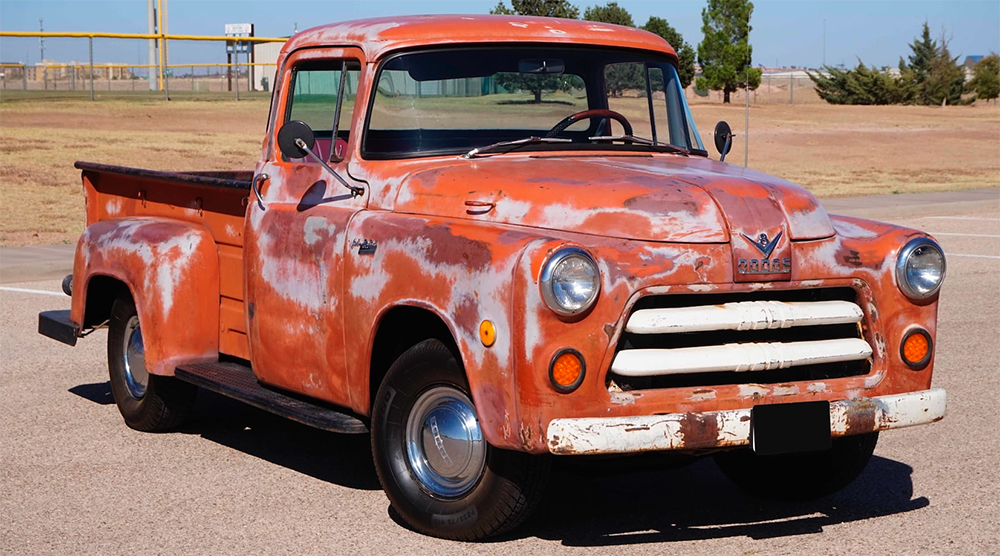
467	239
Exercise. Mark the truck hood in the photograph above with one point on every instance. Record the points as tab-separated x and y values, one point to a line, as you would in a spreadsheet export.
663	199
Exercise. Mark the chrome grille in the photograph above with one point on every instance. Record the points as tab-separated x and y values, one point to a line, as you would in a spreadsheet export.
757	337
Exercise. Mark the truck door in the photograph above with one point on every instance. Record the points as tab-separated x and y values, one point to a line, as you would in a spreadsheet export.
295	238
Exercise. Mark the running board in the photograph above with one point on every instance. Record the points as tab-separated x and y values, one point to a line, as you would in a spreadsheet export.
238	382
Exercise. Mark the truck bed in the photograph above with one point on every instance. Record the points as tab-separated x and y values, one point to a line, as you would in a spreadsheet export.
216	200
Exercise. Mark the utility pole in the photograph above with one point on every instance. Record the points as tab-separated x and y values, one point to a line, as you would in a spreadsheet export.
41	41
824	42
151	30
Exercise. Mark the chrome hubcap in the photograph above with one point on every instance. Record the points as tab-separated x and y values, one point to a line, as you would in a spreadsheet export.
444	443
136	377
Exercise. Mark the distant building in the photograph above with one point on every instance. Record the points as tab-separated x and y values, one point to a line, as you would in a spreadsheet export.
265	53
970	65
971	61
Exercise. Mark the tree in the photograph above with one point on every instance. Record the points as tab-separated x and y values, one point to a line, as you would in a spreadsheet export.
724	53
925	50
545	8
611	13
862	85
685	54
986	78
618	77
945	80
537	84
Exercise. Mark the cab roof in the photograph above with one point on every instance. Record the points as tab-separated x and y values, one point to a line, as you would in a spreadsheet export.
377	37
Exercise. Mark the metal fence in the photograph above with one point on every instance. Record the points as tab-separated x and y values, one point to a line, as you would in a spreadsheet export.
203	78
95	78
779	88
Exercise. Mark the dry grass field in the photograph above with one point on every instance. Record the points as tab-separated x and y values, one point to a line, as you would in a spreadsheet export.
831	150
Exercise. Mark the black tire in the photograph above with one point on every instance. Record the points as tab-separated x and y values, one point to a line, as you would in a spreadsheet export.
504	491
165	402
803	476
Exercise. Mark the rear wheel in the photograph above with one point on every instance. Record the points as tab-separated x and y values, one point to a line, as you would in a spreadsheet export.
147	402
438	471
802	476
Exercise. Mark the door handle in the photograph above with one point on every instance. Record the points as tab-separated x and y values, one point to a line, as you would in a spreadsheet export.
257	180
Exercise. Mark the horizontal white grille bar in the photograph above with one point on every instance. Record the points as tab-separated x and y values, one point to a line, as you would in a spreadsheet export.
738	357
744	315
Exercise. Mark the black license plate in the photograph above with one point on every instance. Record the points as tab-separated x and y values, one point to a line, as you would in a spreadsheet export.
790	427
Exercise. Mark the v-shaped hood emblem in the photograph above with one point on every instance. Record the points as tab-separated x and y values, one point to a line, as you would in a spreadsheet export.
762	244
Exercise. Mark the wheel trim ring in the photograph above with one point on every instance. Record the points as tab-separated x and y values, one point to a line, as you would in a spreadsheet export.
445	448
134	359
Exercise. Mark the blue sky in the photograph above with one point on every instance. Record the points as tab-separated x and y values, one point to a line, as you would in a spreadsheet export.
784	32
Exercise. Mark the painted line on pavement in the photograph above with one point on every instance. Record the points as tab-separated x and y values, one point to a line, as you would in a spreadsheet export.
963	218
962	235
974	256
39	292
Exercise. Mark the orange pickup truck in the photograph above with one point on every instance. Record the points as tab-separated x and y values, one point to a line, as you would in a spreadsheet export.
489	240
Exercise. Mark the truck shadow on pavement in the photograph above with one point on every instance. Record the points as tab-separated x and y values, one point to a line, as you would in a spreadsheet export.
698	502
588	502
341	459
97	392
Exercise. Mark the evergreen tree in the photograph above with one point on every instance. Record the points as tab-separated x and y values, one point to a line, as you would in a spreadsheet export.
545	8
862	85
610	13
986	78
725	54
945	81
685	54
925	50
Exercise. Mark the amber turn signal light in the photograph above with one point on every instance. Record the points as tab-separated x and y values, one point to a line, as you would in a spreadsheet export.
487	333
916	348
566	370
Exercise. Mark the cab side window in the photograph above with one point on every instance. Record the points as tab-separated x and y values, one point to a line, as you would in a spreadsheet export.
315	93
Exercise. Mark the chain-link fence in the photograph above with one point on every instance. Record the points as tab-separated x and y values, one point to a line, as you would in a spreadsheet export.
251	70
204	78
775	88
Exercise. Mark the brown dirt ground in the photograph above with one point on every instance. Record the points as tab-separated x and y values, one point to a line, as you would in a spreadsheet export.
831	150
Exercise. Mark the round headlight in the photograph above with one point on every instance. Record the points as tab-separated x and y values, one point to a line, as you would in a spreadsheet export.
570	281
920	268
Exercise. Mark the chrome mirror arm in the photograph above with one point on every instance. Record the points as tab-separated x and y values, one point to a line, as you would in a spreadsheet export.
355	190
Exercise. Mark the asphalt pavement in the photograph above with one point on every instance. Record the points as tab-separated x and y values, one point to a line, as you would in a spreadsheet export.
75	480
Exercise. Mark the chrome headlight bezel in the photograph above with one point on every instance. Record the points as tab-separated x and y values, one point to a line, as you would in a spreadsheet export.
549	277
912	248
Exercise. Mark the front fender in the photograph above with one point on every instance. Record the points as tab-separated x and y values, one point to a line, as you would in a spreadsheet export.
171	268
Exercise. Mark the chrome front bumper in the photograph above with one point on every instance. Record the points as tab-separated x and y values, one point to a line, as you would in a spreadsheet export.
719	429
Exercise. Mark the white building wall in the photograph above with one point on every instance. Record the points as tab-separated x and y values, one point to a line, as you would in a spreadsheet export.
265	53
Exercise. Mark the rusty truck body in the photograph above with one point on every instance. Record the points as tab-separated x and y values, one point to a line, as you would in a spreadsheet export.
491	239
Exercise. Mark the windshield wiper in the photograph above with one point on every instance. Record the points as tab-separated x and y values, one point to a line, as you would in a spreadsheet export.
666	147
526	141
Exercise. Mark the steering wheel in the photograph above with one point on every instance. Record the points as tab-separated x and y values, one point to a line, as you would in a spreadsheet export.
587	114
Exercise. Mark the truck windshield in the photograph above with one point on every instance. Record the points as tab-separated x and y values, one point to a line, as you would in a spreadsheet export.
451	101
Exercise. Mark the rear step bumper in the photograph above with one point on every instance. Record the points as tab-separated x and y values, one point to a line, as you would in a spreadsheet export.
720	429
238	381
56	325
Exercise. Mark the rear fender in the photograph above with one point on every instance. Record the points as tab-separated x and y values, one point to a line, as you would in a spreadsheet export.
171	268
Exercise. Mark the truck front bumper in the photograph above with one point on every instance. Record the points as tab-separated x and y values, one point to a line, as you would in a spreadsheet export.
721	429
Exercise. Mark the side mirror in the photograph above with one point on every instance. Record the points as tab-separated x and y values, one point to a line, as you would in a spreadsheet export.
723	139
289	136
296	140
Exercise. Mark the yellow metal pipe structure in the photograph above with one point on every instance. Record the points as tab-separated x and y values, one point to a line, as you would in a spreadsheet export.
159	28
49	34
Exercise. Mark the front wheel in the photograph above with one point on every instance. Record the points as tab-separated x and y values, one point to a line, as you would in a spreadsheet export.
438	471
802	476
147	402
